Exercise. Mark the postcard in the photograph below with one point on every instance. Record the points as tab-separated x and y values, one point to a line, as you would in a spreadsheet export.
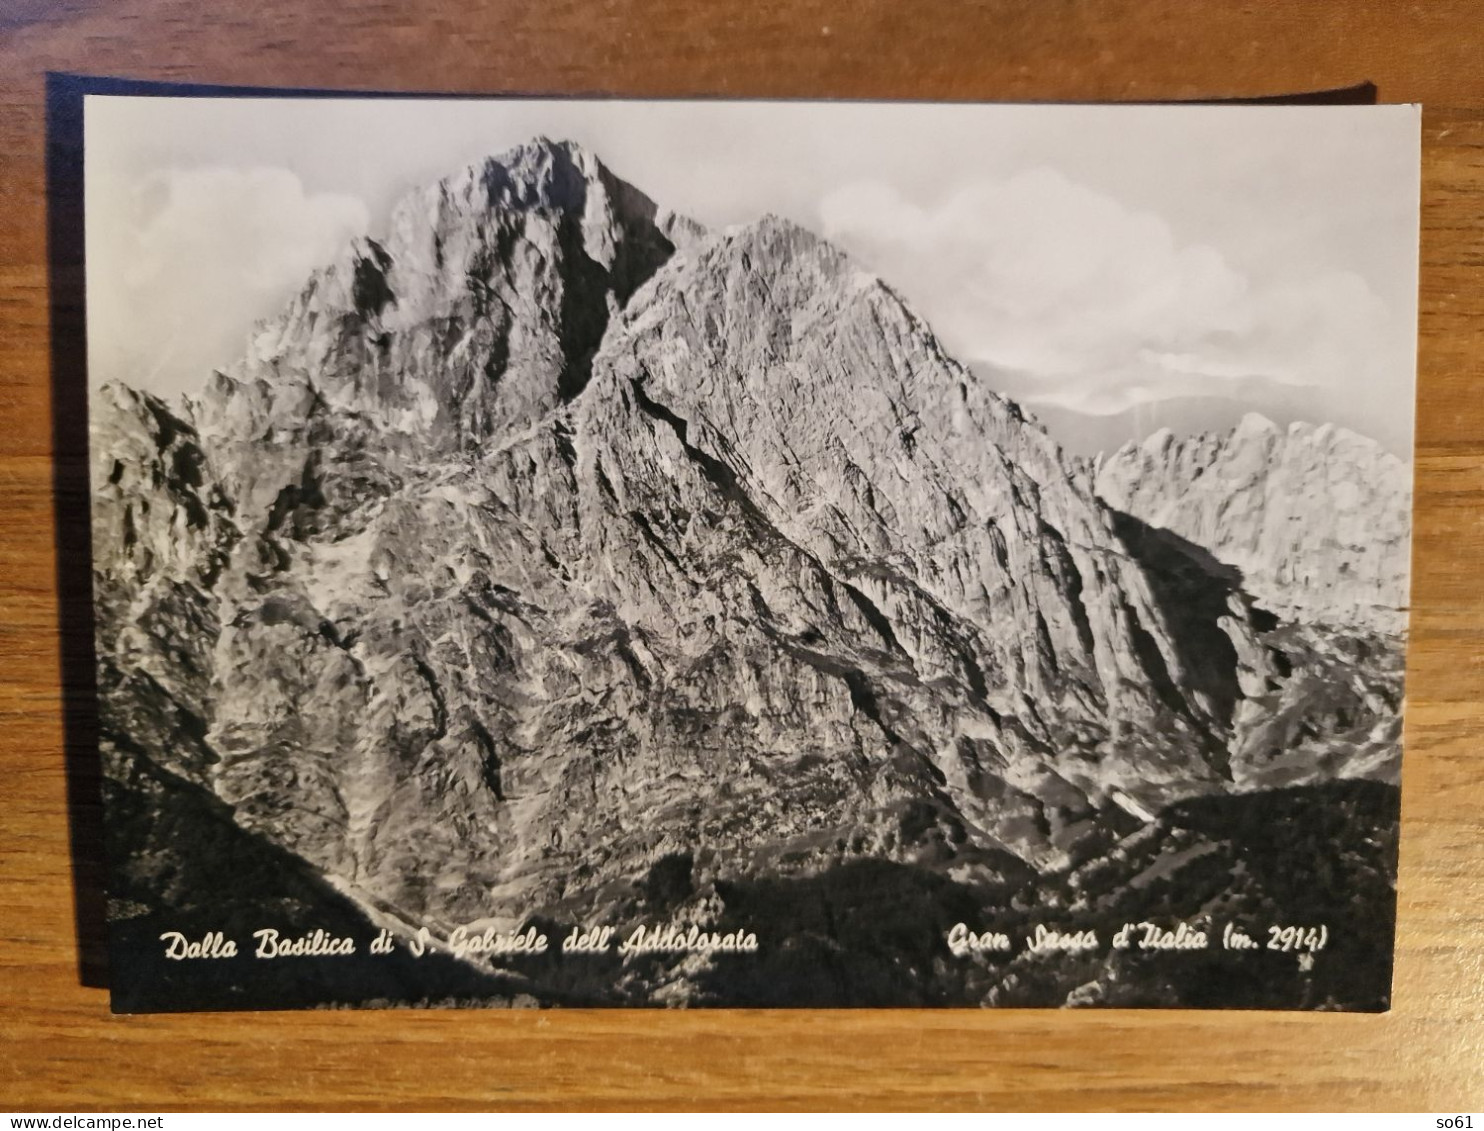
705	553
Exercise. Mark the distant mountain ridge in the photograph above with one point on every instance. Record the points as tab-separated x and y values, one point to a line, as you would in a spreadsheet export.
1087	419
1316	518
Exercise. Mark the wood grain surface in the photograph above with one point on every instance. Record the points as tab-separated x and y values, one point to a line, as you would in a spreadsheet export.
60	1049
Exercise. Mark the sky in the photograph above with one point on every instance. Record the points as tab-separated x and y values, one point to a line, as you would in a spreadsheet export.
1102	264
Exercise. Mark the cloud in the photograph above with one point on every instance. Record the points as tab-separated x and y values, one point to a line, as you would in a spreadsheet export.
1049	279
187	259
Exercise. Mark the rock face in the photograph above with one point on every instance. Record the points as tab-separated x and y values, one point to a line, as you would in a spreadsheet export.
1314	523
557	557
1316	519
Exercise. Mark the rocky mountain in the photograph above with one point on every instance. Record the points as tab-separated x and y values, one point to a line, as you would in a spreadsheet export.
555	558
1316	519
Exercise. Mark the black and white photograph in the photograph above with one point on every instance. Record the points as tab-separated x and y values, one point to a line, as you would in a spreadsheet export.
749	554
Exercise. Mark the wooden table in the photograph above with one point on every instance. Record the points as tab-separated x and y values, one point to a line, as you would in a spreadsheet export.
59	1047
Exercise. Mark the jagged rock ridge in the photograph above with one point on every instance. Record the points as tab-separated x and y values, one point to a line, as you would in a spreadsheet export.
1317	519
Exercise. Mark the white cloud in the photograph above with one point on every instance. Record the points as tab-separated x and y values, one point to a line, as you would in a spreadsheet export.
1102	304
185	260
